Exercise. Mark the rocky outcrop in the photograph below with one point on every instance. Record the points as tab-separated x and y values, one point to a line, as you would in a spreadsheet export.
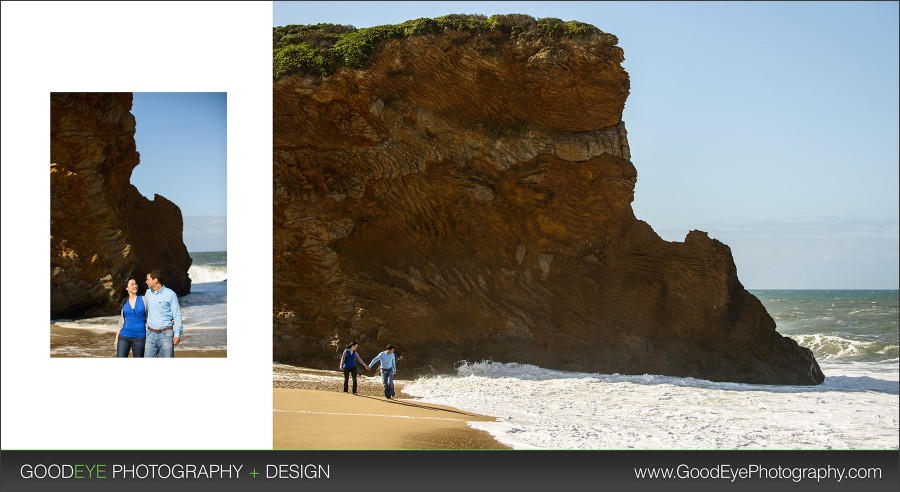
467	196
102	230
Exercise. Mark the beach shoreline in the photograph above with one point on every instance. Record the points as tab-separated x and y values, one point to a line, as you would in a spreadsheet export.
311	411
99	344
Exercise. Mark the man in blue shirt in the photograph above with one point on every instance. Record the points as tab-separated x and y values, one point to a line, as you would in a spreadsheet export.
163	318
388	370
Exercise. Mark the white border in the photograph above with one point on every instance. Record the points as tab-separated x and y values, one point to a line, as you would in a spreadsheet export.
57	403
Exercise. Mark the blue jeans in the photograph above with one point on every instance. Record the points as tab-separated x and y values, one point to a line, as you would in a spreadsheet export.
387	379
135	345
160	344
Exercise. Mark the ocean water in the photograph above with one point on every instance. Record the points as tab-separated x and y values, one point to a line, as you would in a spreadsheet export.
854	335
204	315
838	325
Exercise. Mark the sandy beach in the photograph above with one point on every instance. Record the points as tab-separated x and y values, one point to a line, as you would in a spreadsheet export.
311	411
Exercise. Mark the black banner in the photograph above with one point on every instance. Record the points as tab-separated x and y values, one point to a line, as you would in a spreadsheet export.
494	471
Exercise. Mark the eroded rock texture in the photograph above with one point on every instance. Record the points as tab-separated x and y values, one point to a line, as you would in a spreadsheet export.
468	198
102	230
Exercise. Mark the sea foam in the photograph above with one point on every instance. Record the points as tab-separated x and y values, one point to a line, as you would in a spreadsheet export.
835	348
207	273
856	408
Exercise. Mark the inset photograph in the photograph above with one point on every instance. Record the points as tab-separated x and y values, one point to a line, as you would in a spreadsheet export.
138	214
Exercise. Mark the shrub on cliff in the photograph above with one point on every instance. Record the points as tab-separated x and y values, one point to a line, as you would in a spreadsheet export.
321	49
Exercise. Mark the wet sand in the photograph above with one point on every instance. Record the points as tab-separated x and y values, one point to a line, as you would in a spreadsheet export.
315	413
73	342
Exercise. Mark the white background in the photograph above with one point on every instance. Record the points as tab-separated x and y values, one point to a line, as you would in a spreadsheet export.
185	403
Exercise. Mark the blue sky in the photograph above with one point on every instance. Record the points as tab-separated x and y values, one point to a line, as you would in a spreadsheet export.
181	137
770	125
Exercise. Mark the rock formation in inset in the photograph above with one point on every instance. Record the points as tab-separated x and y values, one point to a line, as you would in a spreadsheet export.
102	230
461	188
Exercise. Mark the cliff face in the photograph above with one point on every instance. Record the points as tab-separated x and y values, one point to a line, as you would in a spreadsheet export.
102	230
469	197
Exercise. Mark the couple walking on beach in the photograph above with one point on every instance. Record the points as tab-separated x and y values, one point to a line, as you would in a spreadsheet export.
149	325
388	367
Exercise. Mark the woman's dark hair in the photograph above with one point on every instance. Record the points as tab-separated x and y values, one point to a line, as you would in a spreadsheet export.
351	344
123	292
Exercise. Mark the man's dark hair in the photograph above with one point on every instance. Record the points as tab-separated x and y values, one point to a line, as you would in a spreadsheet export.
390	347
156	274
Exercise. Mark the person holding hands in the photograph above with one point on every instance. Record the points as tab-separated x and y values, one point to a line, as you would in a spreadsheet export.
348	364
388	370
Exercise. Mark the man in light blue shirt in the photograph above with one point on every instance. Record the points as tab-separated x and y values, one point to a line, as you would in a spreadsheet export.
388	370
163	318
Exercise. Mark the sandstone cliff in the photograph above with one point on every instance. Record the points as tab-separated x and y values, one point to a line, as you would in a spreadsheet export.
102	230
464	191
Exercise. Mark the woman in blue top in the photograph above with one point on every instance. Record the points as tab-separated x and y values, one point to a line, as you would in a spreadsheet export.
132	330
348	364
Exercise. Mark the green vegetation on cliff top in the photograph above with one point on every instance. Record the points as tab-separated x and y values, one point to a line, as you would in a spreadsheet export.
321	49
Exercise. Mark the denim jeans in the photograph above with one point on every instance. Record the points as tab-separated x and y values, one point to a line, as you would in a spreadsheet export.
160	344
347	372
135	345
387	379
